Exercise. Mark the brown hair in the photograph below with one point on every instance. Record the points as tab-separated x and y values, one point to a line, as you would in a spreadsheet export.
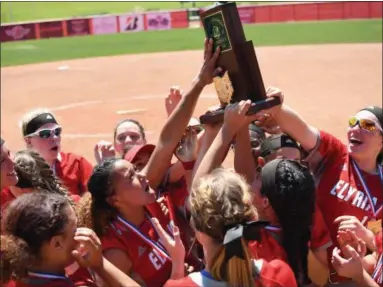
94	210
34	172
219	200
30	220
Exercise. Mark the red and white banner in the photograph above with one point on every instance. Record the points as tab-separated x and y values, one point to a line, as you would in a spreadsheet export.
131	22
18	32
158	21
78	27
246	14
105	25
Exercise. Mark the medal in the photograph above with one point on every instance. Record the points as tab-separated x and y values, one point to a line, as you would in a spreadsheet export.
375	226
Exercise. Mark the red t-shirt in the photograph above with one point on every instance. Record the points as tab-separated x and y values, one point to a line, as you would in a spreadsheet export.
74	172
149	263
268	274
339	189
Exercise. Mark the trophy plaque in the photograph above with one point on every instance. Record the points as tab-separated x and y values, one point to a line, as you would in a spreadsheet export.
241	78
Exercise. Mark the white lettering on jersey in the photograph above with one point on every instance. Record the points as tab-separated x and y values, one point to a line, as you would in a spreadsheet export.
357	198
157	260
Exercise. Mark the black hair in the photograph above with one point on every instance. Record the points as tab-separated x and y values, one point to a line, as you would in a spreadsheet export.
30	220
95	211
137	123
293	201
2	141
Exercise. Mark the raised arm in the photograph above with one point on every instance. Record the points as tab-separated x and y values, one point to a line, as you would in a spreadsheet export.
175	125
235	117
291	123
243	157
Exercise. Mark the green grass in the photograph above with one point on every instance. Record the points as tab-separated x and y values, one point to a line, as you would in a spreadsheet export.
18	53
27	11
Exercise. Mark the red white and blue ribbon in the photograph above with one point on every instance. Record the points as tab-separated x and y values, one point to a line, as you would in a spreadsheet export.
47	275
145	238
361	179
377	274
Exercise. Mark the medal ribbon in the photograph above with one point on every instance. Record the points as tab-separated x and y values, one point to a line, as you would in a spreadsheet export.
377	274
47	275
366	188
149	241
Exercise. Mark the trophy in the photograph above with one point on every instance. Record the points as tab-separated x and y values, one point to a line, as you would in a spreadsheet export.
241	78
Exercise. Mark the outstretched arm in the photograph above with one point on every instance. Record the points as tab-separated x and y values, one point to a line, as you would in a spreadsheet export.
175	126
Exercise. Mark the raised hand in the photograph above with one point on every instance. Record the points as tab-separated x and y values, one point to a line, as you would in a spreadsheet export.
209	70
172	99
187	148
235	116
174	246
88	252
103	150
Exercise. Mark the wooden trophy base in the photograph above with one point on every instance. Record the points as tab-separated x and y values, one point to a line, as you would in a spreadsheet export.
217	116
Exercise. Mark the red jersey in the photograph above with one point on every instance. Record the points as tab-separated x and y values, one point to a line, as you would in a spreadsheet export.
270	248
267	274
341	187
149	258
73	171
340	190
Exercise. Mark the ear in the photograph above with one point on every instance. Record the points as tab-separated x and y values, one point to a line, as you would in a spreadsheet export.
265	202
28	142
56	243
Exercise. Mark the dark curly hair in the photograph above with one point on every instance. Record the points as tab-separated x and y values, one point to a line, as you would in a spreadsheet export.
30	220
293	201
94	210
34	172
137	123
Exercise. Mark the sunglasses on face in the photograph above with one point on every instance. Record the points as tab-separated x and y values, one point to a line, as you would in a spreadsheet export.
47	133
364	124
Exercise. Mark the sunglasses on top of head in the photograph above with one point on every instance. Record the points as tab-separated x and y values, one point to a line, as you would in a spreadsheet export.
46	133
364	124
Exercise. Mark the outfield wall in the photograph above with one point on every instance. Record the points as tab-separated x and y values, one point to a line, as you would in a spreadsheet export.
165	20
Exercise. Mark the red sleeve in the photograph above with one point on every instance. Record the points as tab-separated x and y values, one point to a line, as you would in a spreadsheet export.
327	150
277	273
320	235
86	170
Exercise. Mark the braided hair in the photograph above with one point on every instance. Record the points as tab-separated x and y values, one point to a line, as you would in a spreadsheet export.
34	172
293	201
94	210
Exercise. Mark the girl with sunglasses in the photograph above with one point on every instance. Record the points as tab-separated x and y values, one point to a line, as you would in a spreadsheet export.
42	133
349	176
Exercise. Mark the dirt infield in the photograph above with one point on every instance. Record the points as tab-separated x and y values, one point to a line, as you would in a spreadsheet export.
325	83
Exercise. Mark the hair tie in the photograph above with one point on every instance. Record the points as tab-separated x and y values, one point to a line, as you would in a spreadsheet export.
232	240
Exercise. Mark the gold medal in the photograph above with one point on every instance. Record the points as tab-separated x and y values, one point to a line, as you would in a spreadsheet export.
223	88
375	226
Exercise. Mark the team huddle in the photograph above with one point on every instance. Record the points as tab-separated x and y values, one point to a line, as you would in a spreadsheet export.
170	214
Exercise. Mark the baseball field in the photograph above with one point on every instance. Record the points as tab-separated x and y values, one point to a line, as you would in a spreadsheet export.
328	71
